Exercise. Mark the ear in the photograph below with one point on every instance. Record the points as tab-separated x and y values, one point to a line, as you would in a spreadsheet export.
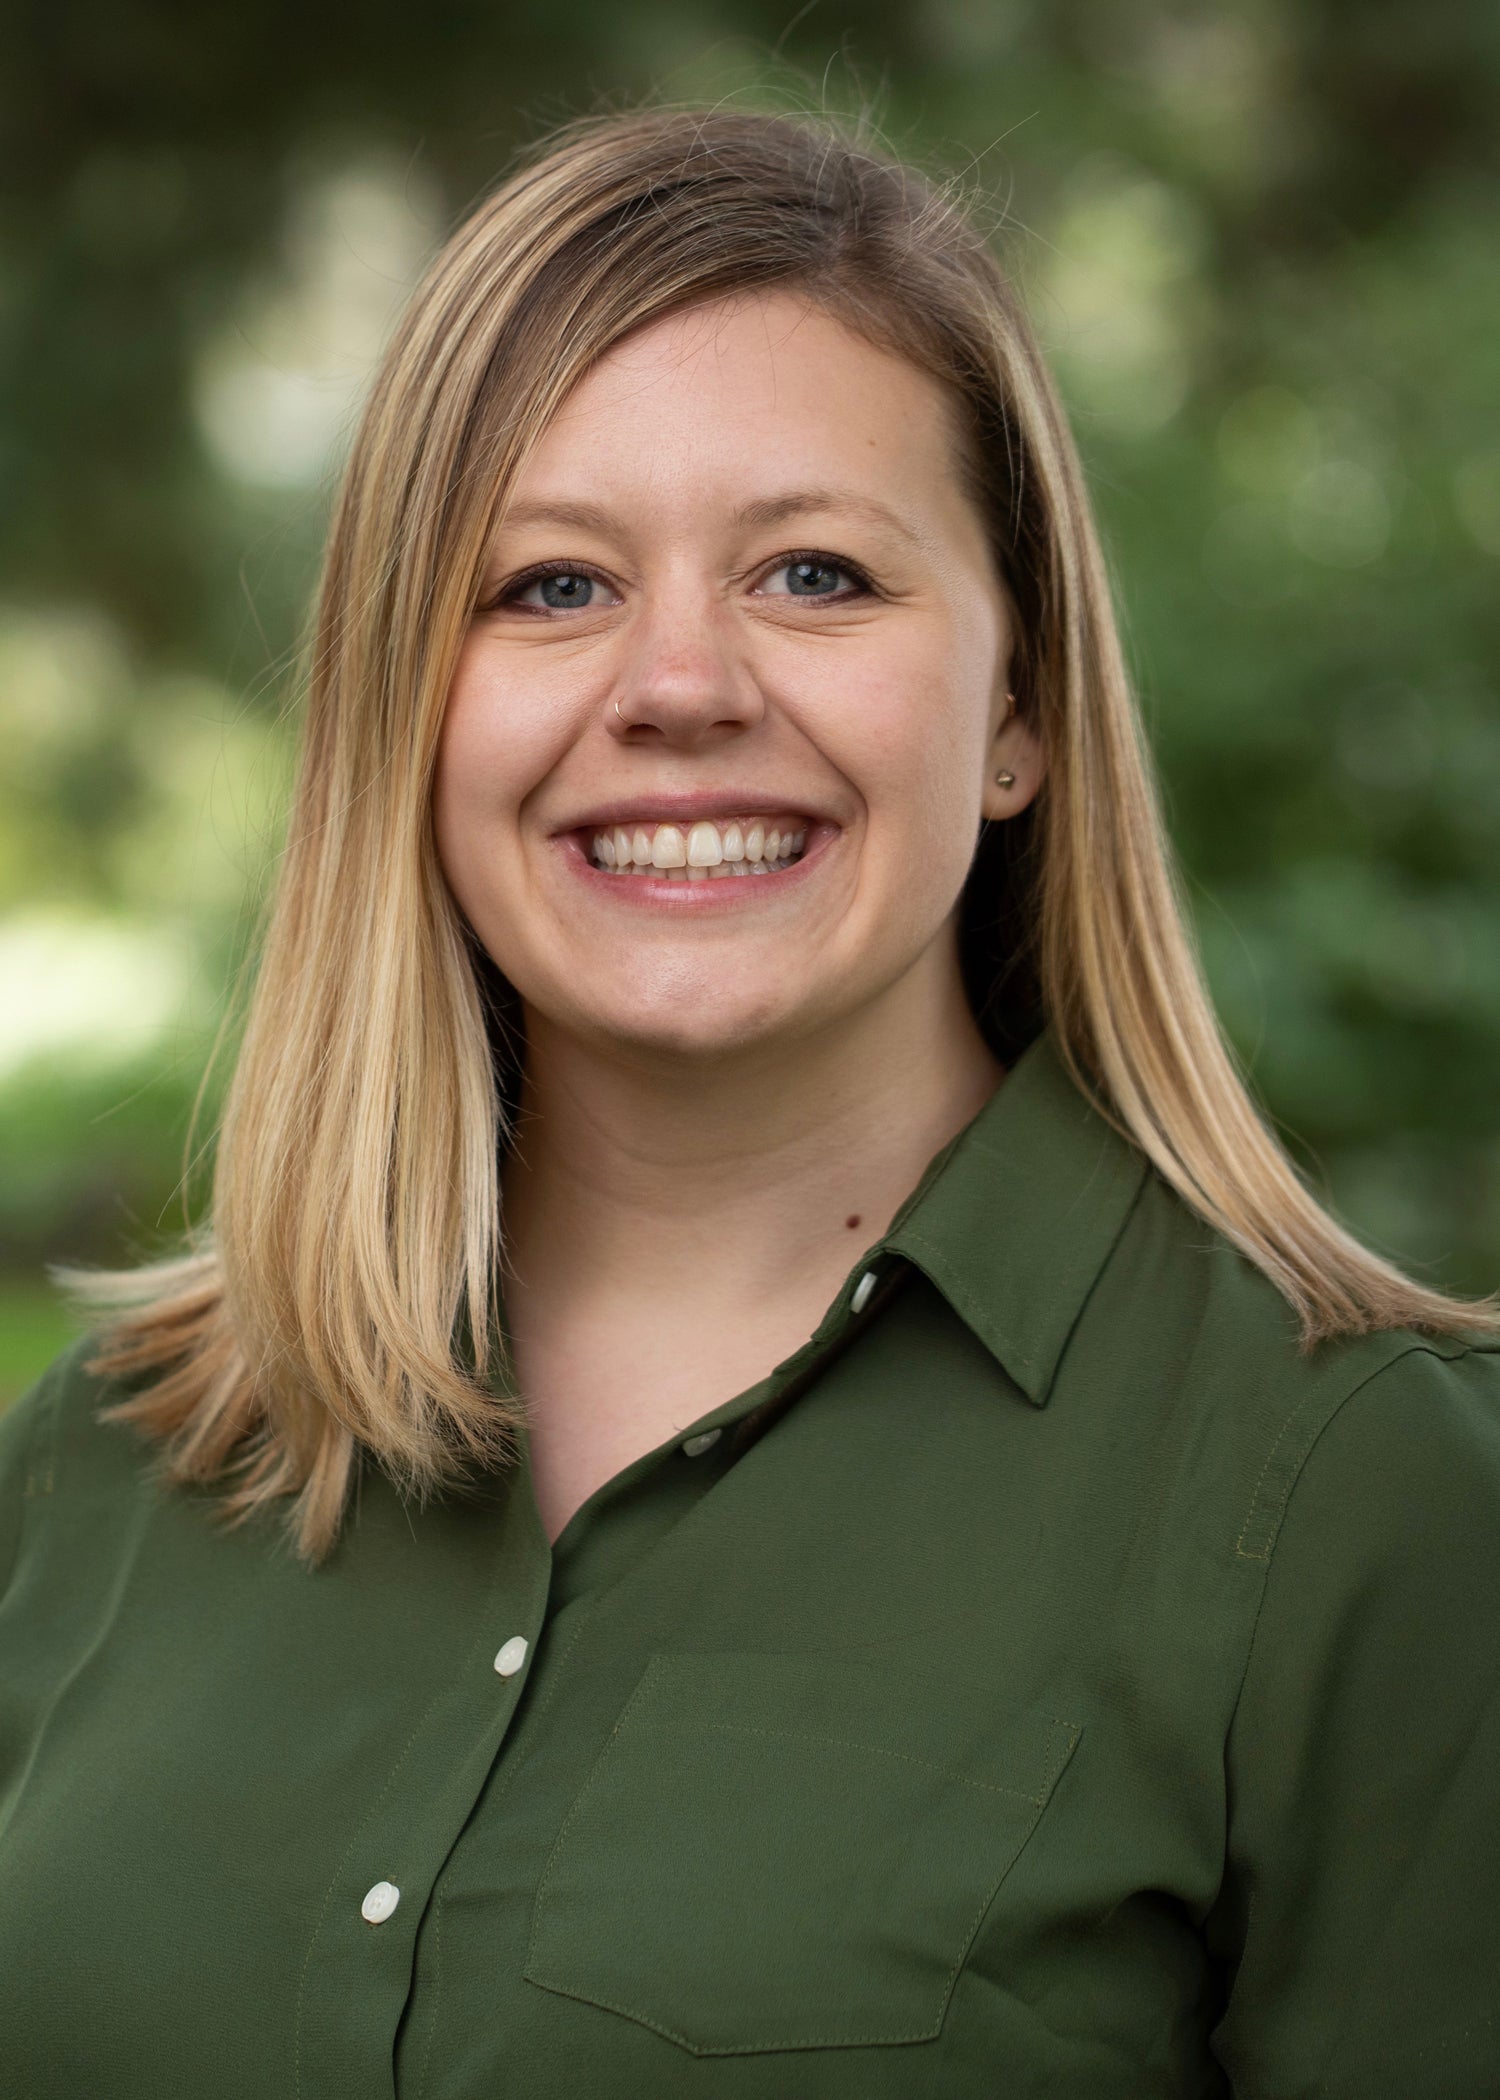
1016	750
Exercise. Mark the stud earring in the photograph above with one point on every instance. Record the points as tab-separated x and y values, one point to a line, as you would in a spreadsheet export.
1005	779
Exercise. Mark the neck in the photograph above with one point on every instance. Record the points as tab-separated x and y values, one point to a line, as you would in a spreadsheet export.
739	1173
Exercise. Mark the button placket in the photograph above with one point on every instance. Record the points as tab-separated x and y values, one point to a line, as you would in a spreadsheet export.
417	1798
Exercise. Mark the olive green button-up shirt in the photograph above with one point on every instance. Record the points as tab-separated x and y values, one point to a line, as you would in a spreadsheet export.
1047	1681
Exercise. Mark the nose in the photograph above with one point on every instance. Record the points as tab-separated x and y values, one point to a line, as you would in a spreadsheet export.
684	682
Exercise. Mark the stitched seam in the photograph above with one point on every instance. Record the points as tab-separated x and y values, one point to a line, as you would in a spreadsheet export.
503	1778
1061	1754
839	1742
979	1318
598	1765
754	2048
437	1990
1419	1348
968	1305
1036	1802
476	1648
1263	1552
1255	1624
1294	1421
860	2041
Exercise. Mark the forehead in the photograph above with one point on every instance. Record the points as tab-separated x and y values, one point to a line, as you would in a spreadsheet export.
761	386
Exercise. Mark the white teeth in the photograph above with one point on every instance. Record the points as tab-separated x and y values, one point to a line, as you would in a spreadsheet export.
696	851
703	848
667	848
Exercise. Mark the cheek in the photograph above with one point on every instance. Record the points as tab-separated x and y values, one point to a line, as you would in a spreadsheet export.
459	796
490	754
920	758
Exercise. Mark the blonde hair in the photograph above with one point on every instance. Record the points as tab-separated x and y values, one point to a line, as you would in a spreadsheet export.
345	1302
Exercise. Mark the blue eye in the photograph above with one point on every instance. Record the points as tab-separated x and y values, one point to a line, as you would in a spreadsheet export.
564	591
809	576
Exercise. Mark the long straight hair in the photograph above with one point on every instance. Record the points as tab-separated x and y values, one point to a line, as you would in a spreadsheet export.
342	1301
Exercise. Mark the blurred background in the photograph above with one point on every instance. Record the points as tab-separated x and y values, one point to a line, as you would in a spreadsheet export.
1259	243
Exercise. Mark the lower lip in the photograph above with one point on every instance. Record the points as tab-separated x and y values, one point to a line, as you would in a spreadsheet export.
728	893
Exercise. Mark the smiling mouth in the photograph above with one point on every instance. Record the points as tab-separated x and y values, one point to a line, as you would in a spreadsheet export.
701	852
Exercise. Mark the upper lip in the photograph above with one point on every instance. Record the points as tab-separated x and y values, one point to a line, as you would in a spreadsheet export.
678	808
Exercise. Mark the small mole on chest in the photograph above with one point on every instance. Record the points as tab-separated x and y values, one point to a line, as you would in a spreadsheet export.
851	1222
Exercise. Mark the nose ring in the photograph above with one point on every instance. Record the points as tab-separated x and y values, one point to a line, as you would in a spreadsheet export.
617	710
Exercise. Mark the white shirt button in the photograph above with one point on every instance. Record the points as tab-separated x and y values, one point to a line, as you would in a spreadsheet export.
511	1656
695	1446
862	1291
380	1902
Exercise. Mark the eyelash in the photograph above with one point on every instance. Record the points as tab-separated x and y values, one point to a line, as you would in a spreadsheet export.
543	569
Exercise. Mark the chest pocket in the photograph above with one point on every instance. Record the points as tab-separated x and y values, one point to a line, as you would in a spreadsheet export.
776	1852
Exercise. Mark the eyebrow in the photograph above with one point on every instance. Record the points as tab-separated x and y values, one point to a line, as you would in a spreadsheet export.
765	510
775	510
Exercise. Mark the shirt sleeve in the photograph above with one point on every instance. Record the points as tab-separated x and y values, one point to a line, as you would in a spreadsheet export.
1359	1922
20	1429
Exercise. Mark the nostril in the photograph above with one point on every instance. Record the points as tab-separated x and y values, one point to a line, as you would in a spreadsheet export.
684	700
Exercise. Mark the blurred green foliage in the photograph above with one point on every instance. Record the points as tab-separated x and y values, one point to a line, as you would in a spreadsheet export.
1258	242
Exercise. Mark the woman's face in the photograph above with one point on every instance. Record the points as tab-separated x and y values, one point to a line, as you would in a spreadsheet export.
723	728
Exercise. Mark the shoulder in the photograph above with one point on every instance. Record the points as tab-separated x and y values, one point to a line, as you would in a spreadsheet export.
56	1451
25	1437
1208	1346
1406	1467
1362	1879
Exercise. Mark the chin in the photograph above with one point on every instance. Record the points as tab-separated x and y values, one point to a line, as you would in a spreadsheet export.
699	1025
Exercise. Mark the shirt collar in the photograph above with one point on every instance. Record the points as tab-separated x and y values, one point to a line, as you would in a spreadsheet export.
1014	1220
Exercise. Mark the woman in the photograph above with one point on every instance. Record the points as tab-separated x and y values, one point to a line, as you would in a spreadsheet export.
941	1570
